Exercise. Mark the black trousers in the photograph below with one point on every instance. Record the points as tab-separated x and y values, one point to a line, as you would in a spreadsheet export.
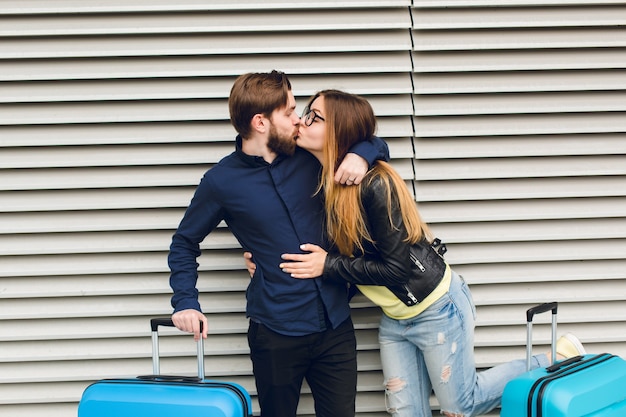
327	360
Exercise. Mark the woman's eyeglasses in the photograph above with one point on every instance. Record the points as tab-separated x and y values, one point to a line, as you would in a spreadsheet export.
309	116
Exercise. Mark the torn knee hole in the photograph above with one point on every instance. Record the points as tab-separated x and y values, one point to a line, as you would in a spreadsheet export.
449	414
395	384
446	371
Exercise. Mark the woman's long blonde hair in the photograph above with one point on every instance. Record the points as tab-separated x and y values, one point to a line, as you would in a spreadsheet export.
350	119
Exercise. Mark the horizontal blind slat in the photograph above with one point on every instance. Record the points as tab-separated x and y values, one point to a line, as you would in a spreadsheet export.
212	44
203	22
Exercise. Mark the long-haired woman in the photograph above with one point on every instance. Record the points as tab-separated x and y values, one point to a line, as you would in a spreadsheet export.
384	247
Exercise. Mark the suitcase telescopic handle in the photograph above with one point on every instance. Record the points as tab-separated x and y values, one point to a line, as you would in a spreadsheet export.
530	313
167	322
542	308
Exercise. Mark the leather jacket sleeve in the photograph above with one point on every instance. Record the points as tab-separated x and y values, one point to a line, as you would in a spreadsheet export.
387	262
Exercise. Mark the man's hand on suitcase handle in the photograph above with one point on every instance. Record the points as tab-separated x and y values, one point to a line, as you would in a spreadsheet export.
189	321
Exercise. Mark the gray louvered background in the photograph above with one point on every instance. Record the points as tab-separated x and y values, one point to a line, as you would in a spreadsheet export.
505	117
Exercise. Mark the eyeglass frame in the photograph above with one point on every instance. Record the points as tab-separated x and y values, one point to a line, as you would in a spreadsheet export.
307	120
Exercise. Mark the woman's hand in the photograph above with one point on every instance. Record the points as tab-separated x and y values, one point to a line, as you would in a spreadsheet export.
250	265
303	266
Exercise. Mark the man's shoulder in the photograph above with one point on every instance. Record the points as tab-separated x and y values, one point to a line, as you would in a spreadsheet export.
230	161
222	169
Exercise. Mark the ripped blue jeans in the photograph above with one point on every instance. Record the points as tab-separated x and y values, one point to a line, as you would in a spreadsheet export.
435	351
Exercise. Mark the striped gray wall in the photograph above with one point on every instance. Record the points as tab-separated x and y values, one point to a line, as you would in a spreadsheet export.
505	117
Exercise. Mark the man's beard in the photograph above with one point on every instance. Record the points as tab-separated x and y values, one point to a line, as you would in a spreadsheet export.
282	145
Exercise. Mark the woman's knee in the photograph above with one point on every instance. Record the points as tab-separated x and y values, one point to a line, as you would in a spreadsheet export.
396	396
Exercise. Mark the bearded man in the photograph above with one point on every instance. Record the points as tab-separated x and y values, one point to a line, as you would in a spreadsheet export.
266	192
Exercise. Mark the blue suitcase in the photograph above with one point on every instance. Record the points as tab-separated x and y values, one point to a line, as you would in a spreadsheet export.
162	395
583	386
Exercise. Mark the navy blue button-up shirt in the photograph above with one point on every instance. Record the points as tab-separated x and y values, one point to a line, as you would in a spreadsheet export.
271	208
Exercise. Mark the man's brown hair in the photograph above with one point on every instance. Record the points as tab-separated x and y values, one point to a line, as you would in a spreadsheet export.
256	93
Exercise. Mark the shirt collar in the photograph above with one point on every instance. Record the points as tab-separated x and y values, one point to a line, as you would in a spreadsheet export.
253	160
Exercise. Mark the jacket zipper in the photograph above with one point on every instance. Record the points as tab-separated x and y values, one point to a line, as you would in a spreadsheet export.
417	262
410	294
406	287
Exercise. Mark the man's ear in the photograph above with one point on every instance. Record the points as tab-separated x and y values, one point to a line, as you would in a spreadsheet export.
259	123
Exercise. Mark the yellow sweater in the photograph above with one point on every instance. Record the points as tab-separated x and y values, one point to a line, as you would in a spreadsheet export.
395	308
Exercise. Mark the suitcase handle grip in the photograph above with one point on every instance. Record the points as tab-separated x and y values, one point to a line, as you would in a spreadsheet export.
169	378
542	308
156	322
167	322
564	363
156	363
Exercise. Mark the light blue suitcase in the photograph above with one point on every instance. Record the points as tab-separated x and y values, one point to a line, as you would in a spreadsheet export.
162	395
583	386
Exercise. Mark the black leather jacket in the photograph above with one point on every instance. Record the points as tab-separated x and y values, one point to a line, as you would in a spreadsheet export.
411	272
